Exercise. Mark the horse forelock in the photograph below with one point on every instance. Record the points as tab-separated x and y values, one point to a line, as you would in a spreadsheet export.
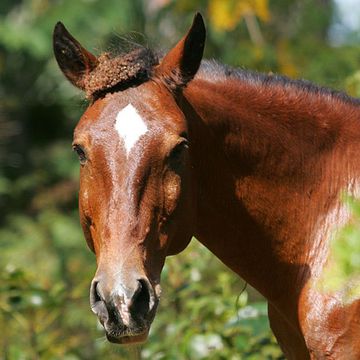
114	73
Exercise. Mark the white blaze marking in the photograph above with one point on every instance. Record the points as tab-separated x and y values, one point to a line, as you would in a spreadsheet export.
130	126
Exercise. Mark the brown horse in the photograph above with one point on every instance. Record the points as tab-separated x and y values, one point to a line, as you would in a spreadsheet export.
251	165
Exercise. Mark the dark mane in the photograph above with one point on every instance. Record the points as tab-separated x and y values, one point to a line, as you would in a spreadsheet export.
117	73
215	71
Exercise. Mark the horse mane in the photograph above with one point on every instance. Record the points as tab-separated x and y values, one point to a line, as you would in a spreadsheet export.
119	72
214	71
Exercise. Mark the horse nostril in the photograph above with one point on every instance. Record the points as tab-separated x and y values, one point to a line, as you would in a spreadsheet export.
94	293
140	302
97	303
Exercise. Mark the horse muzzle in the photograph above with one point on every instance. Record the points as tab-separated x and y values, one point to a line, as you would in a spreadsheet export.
126	311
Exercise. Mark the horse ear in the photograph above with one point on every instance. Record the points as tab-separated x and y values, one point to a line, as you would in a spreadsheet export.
74	61
182	62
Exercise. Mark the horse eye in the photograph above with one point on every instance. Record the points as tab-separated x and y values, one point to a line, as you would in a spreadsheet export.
81	153
178	149
175	156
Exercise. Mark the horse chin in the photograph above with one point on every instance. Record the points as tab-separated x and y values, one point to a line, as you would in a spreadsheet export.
128	339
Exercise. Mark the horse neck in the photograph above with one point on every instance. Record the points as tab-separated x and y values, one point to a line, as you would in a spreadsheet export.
267	170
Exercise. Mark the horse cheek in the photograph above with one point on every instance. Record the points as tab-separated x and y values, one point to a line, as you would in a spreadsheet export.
172	189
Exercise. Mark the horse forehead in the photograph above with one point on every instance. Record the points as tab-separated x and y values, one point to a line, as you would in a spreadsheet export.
129	117
130	126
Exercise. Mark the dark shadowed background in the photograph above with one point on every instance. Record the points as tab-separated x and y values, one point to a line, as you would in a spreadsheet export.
45	266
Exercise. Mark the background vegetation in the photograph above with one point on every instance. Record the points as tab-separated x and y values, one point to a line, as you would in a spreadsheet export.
45	267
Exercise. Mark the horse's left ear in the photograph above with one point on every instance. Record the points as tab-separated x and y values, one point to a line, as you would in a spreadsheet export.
74	60
182	62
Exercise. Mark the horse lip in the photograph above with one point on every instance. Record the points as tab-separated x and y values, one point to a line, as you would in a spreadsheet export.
138	338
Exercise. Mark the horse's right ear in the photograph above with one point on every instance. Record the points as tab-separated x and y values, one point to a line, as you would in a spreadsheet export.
74	61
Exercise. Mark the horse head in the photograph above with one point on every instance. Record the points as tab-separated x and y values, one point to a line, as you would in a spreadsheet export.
135	200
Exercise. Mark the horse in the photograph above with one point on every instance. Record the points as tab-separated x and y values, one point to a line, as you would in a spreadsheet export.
253	165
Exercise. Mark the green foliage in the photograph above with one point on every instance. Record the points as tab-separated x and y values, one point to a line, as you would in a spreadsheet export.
343	271
45	268
353	84
225	324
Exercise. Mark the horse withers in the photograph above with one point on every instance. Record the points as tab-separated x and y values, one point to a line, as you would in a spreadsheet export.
251	165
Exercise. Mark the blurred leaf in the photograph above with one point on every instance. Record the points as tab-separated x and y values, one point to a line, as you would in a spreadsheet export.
353	84
226	14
